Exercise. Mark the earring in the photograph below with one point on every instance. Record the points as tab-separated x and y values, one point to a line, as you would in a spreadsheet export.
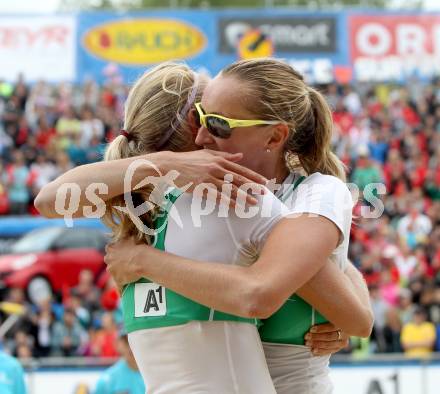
268	150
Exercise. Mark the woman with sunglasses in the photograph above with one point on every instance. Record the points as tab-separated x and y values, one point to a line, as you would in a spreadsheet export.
137	136
294	121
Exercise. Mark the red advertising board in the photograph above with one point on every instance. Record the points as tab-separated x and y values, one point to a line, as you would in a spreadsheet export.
394	46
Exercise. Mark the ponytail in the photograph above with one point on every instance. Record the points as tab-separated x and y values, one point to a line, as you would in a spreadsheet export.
117	149
323	159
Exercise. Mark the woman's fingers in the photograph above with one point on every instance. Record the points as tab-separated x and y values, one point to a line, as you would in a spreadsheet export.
245	175
321	328
326	339
325	336
226	155
230	165
232	195
320	348
330	350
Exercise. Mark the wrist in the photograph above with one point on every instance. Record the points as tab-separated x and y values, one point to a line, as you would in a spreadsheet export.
162	161
139	265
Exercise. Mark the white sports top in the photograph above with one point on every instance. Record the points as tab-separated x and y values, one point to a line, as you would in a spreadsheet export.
293	368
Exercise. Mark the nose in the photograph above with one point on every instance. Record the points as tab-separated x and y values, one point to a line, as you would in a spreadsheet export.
204	137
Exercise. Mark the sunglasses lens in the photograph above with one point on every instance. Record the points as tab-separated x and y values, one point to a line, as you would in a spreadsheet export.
218	127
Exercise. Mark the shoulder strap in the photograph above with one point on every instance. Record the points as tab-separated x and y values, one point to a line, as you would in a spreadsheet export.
289	191
162	217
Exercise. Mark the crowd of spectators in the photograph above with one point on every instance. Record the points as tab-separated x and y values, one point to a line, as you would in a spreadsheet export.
46	130
384	133
86	322
390	135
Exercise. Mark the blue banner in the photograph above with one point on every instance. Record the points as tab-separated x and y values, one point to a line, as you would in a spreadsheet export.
126	44
135	42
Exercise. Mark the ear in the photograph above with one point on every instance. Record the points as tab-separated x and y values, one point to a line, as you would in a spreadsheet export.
279	136
193	121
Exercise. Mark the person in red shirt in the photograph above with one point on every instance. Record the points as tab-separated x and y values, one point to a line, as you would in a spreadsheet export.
104	341
44	132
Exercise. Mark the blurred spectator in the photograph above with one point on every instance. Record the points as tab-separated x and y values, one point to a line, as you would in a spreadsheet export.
103	343
67	335
44	133
380	309
82	313
23	345
17	296
43	171
124	376
11	117
24	352
67	128
43	321
414	228
12	375
366	171
418	337
110	295
91	127
391	331
62	163
17	183
406	307
87	291
4	199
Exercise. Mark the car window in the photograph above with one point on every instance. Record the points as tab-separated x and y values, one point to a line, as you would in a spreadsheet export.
77	238
36	241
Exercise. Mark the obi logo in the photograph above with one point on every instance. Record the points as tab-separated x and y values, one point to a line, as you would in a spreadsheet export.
144	41
255	44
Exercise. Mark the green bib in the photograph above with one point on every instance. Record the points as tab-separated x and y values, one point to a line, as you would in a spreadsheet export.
293	320
148	305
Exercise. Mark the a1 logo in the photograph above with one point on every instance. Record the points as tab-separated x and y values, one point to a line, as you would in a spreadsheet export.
149	300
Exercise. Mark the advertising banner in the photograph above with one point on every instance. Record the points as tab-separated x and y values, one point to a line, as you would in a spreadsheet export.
386	379
394	47
135	42
322	46
289	34
349	379
40	48
208	40
311	43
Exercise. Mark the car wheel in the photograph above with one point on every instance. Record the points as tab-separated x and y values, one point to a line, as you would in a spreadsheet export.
39	289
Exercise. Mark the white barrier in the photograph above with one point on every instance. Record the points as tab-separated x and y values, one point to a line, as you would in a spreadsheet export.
386	379
380	377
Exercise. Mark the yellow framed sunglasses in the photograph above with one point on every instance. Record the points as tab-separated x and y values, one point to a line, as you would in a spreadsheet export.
221	127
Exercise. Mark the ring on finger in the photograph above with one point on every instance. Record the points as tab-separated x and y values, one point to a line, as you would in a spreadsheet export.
339	335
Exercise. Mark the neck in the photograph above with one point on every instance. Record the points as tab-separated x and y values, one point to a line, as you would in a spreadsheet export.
276	170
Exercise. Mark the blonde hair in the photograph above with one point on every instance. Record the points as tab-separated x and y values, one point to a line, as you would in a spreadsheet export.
155	119
280	93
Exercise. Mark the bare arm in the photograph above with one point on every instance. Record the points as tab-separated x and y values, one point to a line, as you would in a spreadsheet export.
288	260
197	167
110	174
340	297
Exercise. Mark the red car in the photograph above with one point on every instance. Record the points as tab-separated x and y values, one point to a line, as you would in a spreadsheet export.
48	260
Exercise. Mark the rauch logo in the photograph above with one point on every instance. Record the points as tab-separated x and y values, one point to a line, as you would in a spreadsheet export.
144	41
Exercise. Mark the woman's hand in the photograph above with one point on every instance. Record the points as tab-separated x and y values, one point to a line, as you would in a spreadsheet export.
210	168
323	339
122	262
